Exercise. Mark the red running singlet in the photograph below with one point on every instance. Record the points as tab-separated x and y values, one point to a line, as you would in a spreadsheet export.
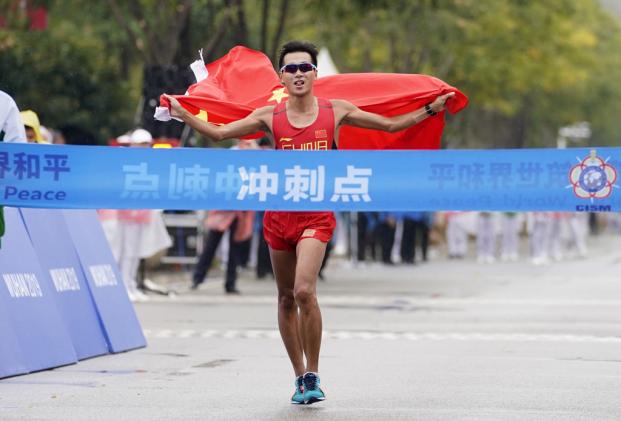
283	230
319	136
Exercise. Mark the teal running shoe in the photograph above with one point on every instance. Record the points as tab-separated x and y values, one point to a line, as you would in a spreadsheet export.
298	395
312	392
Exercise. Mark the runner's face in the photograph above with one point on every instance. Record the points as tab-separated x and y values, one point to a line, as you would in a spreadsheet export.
298	83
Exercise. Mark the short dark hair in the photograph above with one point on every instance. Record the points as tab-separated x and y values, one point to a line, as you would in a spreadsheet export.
297	46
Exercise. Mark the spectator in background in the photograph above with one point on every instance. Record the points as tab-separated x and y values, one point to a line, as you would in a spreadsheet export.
579	229
456	235
239	224
11	126
134	234
264	264
47	135
32	126
386	235
58	138
131	224
510	237
365	225
540	234
486	238
415	224
244	251
556	240
568	233
11	131
614	222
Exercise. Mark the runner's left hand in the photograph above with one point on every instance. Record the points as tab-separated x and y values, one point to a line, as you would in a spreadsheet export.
438	104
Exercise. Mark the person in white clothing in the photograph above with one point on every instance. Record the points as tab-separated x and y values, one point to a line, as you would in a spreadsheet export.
486	238
510	237
578	224
456	235
11	126
557	241
541	226
134	234
11	131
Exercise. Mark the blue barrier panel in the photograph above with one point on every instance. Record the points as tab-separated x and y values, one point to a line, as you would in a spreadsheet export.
56	253
121	326
27	296
11	356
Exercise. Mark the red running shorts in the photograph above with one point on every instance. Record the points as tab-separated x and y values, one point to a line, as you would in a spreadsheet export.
283	230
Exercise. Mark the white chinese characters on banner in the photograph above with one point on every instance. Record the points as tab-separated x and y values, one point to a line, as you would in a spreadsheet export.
261	183
300	184
228	182
353	187
139	184
304	183
191	182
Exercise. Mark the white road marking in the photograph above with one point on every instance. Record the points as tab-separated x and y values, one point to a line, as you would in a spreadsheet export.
187	333
208	333
393	302
164	334
388	336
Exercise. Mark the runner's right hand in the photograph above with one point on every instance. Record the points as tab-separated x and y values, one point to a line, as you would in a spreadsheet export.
176	110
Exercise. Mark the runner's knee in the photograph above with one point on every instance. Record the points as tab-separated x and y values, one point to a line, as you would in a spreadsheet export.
304	295
286	300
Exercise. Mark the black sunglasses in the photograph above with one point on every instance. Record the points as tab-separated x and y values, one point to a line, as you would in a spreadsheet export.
293	67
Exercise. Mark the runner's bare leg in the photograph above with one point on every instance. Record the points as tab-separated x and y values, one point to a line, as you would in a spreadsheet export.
310	252
284	263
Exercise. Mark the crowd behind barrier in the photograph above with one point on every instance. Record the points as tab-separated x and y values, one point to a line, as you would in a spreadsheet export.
408	238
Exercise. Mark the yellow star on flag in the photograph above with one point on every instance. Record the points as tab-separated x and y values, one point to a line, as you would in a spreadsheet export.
278	95
202	114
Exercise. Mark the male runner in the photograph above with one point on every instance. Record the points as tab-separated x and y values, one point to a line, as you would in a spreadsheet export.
297	240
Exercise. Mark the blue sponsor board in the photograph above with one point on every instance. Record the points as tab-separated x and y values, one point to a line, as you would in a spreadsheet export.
54	247
464	180
29	303
120	324
11	356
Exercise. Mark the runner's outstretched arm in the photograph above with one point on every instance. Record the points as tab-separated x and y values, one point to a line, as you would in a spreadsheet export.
354	116
252	123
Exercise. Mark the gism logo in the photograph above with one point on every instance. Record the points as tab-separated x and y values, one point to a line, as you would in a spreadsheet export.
593	178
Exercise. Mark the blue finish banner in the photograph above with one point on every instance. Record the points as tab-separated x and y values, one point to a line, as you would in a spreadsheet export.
51	176
120	324
57	256
27	299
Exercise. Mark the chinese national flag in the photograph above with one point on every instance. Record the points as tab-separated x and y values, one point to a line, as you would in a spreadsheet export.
244	80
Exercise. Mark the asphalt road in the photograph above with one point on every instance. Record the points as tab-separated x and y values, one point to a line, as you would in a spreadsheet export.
447	340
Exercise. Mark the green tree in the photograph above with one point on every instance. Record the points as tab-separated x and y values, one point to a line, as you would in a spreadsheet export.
67	77
529	67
